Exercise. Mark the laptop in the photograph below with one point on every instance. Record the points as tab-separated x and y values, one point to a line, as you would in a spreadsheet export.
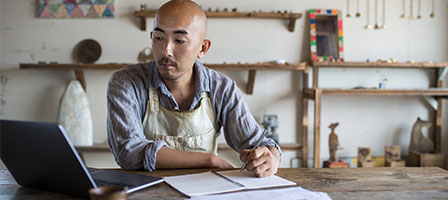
40	155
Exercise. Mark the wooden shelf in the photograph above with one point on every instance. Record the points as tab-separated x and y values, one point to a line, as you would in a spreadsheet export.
117	66
252	68
288	16
315	93
69	66
434	92
380	65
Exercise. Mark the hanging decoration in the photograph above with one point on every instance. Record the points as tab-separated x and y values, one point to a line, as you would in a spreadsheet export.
348	9
419	16
384	15
432	15
358	14
368	26
411	15
376	15
404	10
76	9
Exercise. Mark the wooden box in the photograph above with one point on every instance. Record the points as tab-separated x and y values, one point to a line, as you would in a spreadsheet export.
364	154
417	159
339	164
366	164
396	163
392	153
365	157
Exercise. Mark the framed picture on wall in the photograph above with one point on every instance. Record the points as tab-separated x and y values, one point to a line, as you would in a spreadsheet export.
66	9
326	36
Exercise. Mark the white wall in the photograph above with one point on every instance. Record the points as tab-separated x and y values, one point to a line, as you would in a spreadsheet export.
364	121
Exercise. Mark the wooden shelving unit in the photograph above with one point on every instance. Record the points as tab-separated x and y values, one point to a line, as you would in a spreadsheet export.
287	16
315	93
252	68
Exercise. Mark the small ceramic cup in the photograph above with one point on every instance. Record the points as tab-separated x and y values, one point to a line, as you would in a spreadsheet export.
108	193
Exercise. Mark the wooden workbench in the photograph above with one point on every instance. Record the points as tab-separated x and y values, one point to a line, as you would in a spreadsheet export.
352	183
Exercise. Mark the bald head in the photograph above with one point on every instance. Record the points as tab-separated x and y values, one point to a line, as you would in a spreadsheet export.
182	14
178	39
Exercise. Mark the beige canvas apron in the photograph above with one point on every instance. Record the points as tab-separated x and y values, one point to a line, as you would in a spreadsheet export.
184	130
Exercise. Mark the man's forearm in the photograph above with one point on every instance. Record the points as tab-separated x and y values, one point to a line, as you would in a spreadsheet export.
172	158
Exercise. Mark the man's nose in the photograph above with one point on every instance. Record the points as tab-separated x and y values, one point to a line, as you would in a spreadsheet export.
168	48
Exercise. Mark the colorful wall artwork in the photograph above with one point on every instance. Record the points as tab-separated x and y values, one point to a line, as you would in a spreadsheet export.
326	45
76	8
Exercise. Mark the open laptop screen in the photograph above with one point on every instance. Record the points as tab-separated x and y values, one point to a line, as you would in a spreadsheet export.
40	155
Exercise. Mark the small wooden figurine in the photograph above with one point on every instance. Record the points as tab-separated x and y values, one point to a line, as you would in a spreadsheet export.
421	149
419	142
333	146
333	142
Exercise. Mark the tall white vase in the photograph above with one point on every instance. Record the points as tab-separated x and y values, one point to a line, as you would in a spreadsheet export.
75	116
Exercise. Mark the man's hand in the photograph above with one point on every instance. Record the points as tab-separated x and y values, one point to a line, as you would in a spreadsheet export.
217	162
262	161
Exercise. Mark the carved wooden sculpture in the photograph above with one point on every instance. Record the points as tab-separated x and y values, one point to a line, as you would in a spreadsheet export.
333	142
419	142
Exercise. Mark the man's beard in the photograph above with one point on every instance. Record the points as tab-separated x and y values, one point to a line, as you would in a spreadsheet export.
167	61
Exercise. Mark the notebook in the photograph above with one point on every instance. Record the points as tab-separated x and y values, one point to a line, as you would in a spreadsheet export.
40	155
214	182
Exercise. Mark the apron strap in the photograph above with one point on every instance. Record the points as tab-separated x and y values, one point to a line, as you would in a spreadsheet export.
204	95
153	100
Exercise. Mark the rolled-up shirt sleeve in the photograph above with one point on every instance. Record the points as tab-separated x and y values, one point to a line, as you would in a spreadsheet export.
241	130
125	112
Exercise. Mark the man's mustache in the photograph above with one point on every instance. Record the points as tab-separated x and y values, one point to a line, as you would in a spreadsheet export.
167	61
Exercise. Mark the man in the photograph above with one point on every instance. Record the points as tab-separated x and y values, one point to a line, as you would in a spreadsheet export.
168	113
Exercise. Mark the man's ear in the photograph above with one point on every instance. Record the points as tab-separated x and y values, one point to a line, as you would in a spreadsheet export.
150	34
206	44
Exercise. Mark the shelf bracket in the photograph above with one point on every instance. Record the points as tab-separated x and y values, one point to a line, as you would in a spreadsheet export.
431	101
251	81
79	74
292	24
442	73
143	23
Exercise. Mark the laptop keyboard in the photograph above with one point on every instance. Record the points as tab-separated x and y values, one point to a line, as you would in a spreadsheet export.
109	183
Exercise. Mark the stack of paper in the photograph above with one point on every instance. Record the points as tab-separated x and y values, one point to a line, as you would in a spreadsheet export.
224	181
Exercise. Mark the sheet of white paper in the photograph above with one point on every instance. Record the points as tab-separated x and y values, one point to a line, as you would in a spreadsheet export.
291	193
250	181
201	183
211	183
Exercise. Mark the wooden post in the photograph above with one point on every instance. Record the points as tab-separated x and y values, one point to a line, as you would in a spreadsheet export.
251	81
305	119
438	117
79	74
315	77
317	111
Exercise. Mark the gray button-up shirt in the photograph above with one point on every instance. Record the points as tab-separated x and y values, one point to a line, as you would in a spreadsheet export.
127	96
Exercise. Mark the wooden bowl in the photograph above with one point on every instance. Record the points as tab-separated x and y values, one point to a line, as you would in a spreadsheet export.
87	51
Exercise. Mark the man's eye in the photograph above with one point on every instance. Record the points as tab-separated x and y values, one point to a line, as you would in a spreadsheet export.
180	41
158	38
